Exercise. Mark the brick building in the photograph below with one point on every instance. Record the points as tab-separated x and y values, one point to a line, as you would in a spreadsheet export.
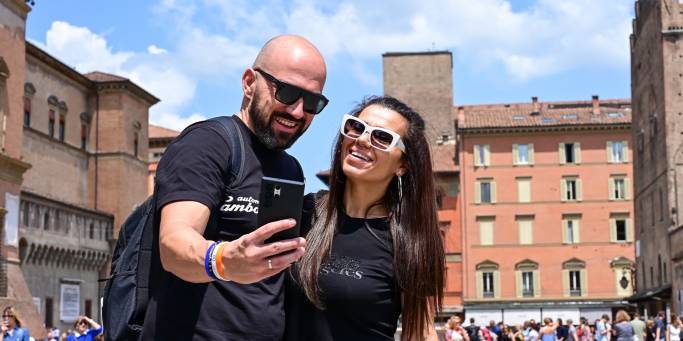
657	92
546	209
81	142
159	139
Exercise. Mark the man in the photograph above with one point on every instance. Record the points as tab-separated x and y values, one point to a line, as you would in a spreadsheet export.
571	331
281	93
85	329
561	330
601	331
638	327
473	330
661	326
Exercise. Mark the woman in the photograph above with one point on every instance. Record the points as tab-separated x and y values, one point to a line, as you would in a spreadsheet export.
11	326
623	329
548	332
520	331
673	331
505	333
650	330
454	331
584	330
351	283
85	329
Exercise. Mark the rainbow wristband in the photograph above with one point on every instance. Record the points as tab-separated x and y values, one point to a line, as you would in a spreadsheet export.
207	261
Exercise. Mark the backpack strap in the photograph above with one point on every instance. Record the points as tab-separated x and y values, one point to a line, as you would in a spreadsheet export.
235	137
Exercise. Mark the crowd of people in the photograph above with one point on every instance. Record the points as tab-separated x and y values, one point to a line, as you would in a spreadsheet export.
84	329
624	328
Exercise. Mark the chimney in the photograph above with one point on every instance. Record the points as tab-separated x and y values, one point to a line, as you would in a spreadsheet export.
596	105
535	106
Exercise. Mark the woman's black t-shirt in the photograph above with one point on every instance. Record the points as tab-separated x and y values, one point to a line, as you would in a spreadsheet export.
195	167
359	292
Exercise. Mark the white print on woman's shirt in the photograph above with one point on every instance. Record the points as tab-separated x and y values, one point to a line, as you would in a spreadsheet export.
344	266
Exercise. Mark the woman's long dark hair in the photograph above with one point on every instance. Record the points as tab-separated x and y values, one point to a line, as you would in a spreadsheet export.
418	247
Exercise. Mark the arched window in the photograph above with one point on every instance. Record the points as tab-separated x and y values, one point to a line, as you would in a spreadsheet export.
29	91
528	279
85	125
62	120
53	104
574	278
135	145
46	221
488	280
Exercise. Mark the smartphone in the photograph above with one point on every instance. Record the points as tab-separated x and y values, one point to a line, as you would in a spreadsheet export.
280	199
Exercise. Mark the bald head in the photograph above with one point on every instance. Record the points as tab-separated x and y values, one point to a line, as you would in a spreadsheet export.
294	59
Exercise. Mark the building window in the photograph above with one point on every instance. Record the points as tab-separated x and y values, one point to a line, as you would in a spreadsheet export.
527	278
574	278
27	112
46	221
486	230
51	123
525	225
523	154
652	277
619	188
88	307
570	228
62	127
617	151
25	215
570	152
571	189
91	231
84	136
482	155
135	145
488	280
661	205
485	191
620	228
524	189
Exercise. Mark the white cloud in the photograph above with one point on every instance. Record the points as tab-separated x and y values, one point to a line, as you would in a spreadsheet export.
155	50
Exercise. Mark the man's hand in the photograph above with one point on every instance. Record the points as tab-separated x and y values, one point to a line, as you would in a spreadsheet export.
249	260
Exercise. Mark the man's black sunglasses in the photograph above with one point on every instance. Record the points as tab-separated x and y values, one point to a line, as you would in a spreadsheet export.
287	94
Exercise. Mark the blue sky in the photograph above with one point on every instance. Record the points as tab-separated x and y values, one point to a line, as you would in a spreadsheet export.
191	54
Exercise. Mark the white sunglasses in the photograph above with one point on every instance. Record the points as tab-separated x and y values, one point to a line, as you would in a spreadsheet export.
380	138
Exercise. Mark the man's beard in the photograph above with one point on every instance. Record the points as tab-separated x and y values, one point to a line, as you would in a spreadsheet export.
264	131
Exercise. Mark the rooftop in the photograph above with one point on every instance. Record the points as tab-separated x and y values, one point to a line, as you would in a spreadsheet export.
157	132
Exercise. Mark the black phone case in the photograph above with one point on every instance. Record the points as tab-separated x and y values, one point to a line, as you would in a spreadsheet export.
280	199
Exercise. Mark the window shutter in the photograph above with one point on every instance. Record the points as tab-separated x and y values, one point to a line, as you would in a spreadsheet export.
496	284
629	230
537	283
477	159
563	190
519	281
625	150
565	228
515	154
609	152
627	189
493	192
530	149
480	284
584	283
477	192
610	186
612	230
577	152
577	228
487	155
563	157
579	190
565	282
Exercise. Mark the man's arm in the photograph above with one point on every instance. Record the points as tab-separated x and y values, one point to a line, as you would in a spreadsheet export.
182	247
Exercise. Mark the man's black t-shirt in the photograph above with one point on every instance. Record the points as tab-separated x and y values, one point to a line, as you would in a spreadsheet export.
195	168
359	291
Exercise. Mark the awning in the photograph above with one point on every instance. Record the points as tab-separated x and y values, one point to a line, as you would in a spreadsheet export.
659	293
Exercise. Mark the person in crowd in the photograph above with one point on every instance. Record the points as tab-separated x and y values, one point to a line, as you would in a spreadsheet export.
532	333
473	330
215	276
505	333
561	330
571	331
549	330
376	228
12	329
85	329
518	335
583	331
623	330
650	330
494	328
638	327
661	326
602	332
673	330
454	331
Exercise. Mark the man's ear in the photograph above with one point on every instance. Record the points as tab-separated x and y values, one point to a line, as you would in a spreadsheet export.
249	83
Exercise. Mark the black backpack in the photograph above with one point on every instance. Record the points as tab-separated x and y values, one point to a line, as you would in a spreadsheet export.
128	288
